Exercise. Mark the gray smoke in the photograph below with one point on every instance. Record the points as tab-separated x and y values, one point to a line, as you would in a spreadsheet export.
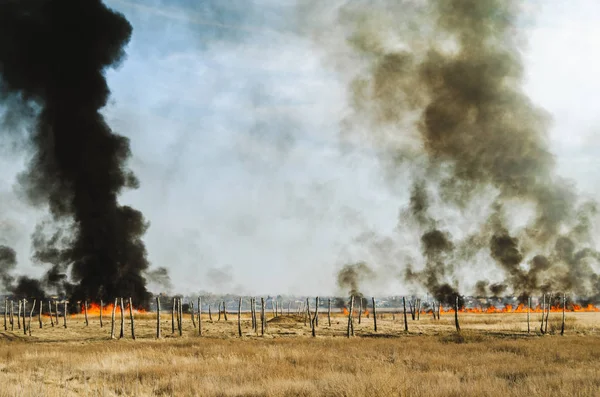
443	79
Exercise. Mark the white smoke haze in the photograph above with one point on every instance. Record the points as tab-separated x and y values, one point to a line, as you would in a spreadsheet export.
265	165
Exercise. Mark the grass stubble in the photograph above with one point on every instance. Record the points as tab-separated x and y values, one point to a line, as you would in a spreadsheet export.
492	356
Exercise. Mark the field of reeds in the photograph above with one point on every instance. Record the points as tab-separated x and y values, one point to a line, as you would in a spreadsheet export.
492	356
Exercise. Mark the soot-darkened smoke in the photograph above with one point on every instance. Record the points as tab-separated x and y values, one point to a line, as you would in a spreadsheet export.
8	262
351	275
54	53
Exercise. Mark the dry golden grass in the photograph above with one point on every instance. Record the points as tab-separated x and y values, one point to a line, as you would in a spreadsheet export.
493	356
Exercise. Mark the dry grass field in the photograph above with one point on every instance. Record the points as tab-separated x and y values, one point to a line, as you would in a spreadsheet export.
493	356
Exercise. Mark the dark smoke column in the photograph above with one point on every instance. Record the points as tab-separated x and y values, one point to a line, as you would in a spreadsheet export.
54	53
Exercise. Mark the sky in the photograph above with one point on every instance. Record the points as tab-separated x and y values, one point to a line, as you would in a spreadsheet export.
234	119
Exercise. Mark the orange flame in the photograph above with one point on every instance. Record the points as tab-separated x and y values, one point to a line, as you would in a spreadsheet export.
94	309
354	312
521	309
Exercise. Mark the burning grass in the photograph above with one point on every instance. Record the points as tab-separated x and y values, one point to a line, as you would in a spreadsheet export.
493	356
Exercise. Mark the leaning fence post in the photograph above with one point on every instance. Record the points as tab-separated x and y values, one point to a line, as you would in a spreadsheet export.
543	312
157	317
374	315
56	311
5	313
131	318
101	310
225	311
50	312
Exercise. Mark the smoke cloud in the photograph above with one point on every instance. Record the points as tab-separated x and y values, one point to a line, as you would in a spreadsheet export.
442	80
53	54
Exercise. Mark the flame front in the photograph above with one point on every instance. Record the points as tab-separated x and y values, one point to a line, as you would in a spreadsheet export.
94	309
522	309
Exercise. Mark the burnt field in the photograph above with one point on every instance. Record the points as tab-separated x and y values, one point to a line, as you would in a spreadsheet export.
493	355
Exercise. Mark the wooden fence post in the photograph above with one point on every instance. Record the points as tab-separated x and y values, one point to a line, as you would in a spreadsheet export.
19	314
528	310
101	310
405	319
131	319
562	327
262	316
225	311
317	312
193	314
543	312
56	311
456	314
252	313
209	313
315	319
329	311
65	314
50	313
360	309
157	317
419	309
307	315
85	307
548	306
289	307
40	313
112	320
5	313
374	314
30	316
122	307
24	323
173	315
199	316
12	316
180	325
240	318
350	331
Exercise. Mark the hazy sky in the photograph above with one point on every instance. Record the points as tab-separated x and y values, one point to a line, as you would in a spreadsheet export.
234	123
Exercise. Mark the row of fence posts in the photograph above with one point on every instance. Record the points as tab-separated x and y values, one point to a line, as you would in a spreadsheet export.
196	317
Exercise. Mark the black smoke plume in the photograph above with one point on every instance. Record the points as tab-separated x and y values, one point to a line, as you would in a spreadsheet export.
351	275
8	263
54	53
